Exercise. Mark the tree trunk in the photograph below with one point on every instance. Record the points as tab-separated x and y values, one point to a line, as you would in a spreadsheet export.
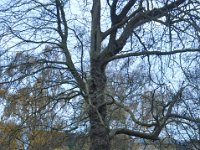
99	133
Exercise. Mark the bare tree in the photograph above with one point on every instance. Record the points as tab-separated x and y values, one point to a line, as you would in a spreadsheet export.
89	39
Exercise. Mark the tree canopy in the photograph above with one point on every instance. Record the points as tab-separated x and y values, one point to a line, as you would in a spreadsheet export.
101	68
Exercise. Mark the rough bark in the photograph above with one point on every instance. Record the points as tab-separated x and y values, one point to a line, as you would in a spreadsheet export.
99	133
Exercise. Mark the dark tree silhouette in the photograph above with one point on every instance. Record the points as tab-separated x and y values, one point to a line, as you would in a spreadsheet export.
99	57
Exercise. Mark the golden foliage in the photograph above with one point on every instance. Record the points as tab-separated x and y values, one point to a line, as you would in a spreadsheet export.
2	92
47	139
9	133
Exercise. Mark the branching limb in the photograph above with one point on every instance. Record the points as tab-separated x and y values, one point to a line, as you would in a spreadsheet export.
61	21
151	136
149	53
137	20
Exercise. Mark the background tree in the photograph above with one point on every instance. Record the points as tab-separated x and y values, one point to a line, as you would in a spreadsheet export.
50	46
10	136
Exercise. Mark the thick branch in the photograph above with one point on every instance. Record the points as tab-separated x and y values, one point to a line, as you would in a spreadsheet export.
196	120
144	17
120	23
61	21
128	110
149	53
138	20
117	18
158	127
151	136
95	29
